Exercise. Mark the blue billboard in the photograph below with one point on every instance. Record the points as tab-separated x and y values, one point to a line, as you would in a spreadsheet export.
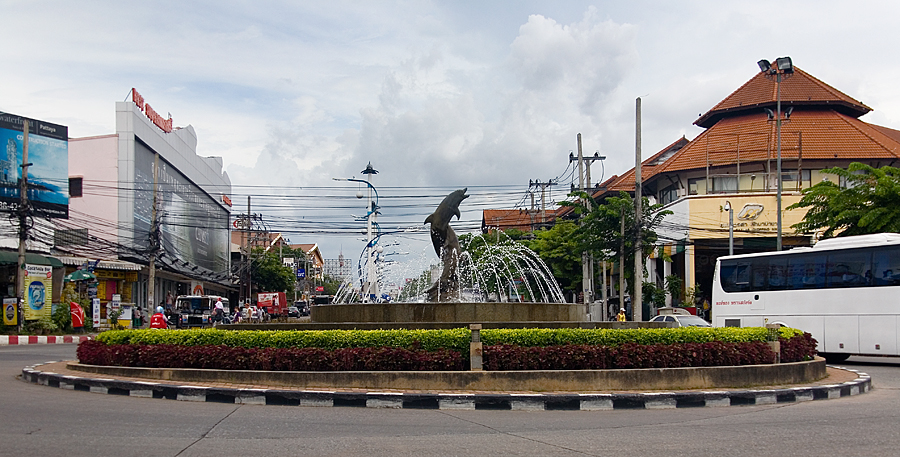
48	174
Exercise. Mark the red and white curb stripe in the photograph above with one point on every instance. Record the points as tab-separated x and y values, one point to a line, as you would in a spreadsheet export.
9	340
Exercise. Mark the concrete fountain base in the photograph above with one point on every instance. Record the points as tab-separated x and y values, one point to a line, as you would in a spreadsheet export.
448	312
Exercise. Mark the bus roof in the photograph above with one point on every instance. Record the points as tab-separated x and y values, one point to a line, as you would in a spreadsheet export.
857	241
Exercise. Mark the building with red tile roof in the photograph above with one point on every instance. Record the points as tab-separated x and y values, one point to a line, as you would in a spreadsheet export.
519	219
735	160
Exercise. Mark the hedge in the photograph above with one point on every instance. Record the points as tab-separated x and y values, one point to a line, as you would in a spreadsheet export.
496	357
431	340
268	359
630	355
388	350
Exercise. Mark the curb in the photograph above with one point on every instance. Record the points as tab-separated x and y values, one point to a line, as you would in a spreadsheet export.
11	340
464	401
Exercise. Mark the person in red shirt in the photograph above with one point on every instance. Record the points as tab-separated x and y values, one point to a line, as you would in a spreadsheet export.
159	320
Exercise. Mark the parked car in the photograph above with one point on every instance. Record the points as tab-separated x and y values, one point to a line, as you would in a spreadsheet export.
682	320
302	306
293	311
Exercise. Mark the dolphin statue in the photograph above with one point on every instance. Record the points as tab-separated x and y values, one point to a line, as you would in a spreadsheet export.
440	218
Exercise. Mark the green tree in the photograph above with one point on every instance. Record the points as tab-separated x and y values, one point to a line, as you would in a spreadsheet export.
600	230
559	249
269	273
869	203
331	284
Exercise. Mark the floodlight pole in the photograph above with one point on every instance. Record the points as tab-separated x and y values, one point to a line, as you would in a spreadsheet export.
637	301
783	65
778	160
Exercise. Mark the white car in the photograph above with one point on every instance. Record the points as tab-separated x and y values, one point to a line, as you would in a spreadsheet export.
682	320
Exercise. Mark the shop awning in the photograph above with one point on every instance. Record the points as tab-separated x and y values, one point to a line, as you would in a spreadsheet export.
10	257
103	265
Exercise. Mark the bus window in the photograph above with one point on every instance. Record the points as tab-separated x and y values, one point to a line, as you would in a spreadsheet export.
759	277
735	276
777	273
807	272
849	269
886	266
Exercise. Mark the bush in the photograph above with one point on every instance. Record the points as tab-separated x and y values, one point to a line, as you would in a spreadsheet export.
62	317
453	339
39	326
428	340
268	359
504	349
798	348
630	355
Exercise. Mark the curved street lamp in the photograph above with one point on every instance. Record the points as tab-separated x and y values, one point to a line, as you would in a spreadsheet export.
370	288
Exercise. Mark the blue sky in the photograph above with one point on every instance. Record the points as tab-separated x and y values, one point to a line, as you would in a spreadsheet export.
434	94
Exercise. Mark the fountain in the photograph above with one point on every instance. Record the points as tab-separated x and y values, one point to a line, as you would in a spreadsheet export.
479	281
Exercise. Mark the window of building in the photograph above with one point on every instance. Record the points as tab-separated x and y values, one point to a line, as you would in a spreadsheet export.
725	184
668	195
697	186
75	187
789	179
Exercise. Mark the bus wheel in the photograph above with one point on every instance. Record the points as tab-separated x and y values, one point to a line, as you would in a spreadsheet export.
834	357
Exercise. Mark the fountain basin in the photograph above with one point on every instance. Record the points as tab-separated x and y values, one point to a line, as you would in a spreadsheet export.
448	312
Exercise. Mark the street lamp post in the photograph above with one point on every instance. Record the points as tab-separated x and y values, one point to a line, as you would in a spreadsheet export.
783	66
370	287
730	227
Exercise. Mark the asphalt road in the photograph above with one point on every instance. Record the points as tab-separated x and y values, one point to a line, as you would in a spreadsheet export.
40	420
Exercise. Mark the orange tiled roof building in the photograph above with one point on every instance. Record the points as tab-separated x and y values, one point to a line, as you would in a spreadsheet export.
734	160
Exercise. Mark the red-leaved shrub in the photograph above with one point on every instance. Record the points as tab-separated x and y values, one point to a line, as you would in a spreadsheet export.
581	357
798	348
268	359
496	357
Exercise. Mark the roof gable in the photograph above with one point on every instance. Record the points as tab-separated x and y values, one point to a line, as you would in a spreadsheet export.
797	89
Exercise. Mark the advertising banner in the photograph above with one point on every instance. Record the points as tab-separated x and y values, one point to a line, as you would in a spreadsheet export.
194	227
10	317
95	310
48	177
38	291
77	314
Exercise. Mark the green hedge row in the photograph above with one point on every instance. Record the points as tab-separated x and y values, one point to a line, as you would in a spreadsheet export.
431	340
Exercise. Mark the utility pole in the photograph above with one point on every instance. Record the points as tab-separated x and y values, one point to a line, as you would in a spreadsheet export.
154	238
543	186
636	302
622	262
587	277
23	226
587	259
248	224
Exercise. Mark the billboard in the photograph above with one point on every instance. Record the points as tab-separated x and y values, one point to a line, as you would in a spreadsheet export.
38	291
48	176
193	226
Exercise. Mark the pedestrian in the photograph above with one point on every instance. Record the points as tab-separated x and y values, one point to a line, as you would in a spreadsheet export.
136	318
159	320
621	316
218	312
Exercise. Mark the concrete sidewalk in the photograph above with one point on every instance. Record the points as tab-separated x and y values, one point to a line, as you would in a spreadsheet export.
10	340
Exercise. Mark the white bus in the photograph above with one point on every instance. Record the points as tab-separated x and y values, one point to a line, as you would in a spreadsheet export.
843	291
